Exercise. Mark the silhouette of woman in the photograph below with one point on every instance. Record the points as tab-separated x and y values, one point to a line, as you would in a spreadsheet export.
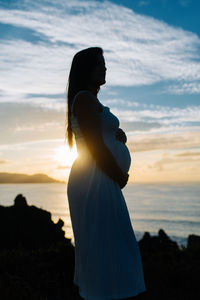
107	258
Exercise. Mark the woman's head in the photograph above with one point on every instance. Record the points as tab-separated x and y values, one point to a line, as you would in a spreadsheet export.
83	67
87	72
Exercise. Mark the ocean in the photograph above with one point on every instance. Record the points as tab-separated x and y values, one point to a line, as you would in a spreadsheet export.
172	207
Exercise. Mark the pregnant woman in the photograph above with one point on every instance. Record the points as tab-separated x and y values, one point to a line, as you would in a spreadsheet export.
107	258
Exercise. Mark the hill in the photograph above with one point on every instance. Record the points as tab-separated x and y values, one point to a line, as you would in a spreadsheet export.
24	178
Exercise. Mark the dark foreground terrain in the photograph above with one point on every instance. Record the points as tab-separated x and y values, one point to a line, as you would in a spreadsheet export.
37	261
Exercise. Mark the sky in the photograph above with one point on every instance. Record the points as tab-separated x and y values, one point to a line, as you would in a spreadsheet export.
152	53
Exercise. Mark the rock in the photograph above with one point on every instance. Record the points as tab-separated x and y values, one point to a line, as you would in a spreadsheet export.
20	200
28	226
163	236
193	242
157	243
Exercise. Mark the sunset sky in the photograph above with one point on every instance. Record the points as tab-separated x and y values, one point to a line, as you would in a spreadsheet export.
152	53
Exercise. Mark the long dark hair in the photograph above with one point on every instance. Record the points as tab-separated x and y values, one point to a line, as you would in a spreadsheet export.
83	63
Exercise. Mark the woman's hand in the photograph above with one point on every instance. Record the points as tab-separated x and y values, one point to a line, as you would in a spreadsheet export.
121	136
123	180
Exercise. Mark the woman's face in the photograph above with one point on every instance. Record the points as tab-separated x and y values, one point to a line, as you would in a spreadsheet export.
99	73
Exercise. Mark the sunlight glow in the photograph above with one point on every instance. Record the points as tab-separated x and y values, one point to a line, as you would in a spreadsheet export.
65	156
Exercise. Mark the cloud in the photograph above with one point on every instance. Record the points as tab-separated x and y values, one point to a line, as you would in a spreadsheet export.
139	50
169	161
63	167
121	102
185	88
186	154
167	141
44	118
4	162
141	117
139	126
39	128
164	115
28	122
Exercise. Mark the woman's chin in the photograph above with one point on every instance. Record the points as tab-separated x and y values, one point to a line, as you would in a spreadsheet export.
103	82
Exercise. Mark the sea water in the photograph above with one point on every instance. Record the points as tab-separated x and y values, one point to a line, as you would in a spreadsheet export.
172	207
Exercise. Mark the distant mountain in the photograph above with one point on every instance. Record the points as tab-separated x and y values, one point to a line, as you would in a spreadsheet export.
24	178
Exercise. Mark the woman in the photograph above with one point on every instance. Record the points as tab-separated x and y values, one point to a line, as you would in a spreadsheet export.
107	258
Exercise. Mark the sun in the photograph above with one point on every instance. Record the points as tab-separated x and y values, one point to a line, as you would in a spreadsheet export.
65	156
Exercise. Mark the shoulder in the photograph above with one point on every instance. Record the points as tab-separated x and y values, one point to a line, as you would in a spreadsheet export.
85	101
86	95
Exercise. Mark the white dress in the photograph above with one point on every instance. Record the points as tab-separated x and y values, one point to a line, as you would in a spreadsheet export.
107	257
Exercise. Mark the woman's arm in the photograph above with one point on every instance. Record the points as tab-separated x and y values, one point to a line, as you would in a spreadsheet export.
86	111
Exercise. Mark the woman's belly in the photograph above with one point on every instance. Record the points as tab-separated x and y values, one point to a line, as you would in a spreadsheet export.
120	152
118	149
